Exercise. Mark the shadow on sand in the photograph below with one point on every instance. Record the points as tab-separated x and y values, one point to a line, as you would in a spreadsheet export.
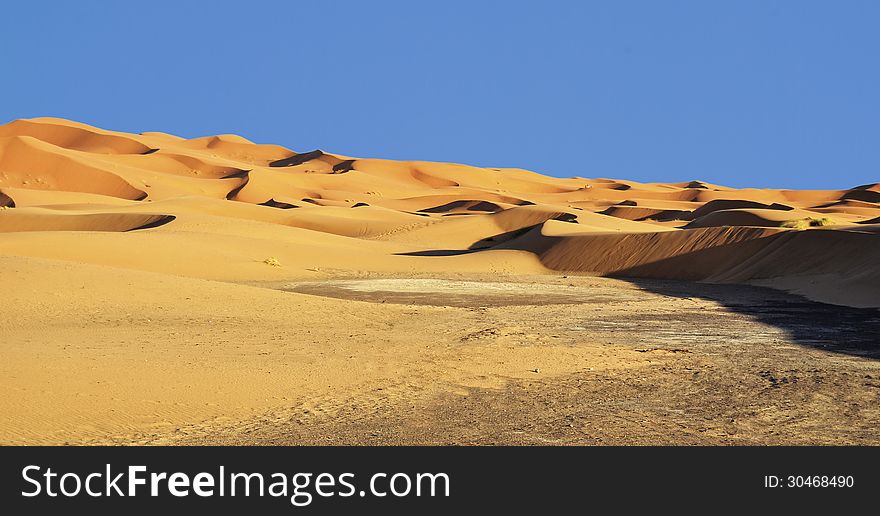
838	329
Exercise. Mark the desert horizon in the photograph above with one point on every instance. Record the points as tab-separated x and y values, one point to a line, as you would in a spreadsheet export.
213	290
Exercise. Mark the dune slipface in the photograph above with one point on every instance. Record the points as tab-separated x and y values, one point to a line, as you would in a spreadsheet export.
135	308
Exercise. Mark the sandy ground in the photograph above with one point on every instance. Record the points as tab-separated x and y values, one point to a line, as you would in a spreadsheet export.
153	359
213	290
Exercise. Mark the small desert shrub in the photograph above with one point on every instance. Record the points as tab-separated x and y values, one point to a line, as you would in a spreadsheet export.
272	262
809	222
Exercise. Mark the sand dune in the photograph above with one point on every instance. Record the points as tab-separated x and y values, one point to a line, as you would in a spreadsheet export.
750	217
165	290
74	136
218	207
837	266
42	219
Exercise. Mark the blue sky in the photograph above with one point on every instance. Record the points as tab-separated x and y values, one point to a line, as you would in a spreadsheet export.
744	93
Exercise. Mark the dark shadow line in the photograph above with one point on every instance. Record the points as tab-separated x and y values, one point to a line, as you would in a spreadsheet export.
155	224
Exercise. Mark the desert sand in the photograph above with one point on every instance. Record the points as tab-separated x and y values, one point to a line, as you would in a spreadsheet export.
213	290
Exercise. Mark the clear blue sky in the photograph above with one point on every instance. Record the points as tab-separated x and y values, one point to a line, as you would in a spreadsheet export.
744	93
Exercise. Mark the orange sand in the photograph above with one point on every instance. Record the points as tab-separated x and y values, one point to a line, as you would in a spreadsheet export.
218	207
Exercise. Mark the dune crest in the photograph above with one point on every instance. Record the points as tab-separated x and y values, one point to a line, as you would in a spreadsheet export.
218	207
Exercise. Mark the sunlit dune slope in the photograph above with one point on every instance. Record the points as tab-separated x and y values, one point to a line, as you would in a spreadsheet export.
223	207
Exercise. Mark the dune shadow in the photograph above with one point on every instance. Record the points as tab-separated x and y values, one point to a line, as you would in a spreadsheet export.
482	244
155	224
839	329
439	252
834	328
297	159
244	175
